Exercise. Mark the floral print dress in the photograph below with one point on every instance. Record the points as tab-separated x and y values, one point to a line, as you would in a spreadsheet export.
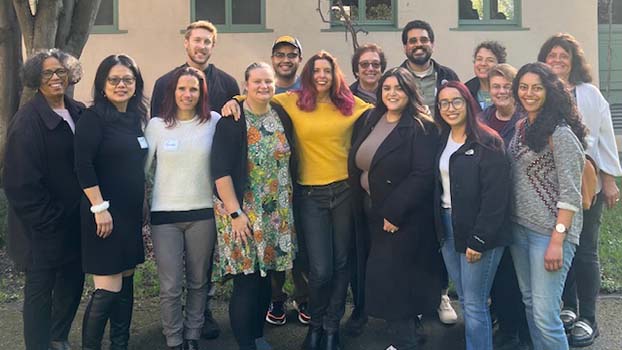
267	203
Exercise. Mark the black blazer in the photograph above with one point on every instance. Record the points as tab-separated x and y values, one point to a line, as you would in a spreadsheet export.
229	154
41	186
480	195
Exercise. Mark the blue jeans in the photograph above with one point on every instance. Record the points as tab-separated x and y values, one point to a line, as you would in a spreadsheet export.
541	289
473	282
326	220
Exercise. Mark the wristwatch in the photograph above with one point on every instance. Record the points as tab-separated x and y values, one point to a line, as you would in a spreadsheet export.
236	213
561	228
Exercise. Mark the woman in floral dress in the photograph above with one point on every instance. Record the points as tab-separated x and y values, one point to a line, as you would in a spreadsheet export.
251	162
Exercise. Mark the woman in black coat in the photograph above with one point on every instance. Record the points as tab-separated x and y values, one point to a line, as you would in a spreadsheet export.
44	197
110	154
391	166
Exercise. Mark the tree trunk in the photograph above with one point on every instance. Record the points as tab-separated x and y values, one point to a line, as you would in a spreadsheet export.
10	62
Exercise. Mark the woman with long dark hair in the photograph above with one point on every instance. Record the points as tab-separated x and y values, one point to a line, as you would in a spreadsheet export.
391	166
564	55
471	206
182	218
110	152
547	165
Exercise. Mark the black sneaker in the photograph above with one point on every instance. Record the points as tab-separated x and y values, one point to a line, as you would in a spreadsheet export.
303	313
210	329
276	313
191	344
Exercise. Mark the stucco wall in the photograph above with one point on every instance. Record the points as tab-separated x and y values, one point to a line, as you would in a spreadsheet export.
153	35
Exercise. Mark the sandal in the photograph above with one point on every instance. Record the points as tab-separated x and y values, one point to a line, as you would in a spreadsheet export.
569	317
583	333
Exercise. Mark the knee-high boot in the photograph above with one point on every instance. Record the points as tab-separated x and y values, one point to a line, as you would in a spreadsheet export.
95	317
121	316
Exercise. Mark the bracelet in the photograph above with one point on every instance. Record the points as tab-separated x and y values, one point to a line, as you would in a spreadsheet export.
96	209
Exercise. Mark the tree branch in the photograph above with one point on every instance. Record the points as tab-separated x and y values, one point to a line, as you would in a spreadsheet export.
26	22
46	25
348	24
82	21
64	22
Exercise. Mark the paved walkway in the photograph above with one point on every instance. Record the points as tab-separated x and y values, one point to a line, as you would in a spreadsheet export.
146	331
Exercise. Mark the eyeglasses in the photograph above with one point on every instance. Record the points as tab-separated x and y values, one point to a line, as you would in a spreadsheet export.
366	64
290	55
60	72
457	103
423	40
116	80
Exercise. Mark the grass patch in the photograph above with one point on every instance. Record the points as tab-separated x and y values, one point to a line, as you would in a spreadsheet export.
610	248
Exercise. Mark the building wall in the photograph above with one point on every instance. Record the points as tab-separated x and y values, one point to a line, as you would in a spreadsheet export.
153	36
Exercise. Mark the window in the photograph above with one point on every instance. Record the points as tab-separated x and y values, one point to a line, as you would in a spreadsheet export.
494	13
107	20
231	15
365	12
603	12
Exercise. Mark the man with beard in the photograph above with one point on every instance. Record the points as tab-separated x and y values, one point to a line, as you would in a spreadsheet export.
286	57
418	41
199	41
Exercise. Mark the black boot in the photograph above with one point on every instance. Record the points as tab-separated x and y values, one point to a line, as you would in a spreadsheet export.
330	341
313	339
210	329
121	316
95	317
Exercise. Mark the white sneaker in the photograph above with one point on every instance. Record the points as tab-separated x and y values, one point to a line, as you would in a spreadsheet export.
446	313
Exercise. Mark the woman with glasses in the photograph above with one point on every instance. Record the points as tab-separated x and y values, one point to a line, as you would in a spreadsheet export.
471	205
368	64
547	165
487	55
391	167
110	153
564	55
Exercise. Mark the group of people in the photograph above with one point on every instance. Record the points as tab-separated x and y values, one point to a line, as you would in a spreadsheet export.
391	187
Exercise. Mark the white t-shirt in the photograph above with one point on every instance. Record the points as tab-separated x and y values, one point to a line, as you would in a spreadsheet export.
67	117
443	166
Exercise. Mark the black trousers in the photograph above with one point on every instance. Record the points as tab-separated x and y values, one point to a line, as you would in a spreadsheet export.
247	308
51	299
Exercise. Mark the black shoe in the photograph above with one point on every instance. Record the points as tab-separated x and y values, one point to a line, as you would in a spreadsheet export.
330	341
59	345
583	333
276	313
210	330
95	317
191	344
420	333
313	339
121	316
355	324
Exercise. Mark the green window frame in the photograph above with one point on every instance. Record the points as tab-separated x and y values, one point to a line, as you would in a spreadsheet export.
228	26
487	21
364	23
112	28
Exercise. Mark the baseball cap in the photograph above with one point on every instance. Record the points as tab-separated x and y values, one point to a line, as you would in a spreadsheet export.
287	39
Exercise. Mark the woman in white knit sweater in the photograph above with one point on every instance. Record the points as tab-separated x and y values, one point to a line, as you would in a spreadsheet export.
182	216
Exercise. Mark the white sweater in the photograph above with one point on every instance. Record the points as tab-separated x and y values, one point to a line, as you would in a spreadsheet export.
182	176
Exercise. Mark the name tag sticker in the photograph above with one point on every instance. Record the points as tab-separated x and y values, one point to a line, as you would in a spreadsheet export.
469	152
143	142
171	145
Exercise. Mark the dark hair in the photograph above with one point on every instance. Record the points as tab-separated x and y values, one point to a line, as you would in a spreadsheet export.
31	71
138	102
559	108
169	104
415	107
367	48
340	93
417	24
475	129
580	70
495	47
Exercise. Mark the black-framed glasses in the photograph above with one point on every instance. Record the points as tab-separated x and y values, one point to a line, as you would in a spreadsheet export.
116	80
60	72
290	55
457	103
423	40
366	64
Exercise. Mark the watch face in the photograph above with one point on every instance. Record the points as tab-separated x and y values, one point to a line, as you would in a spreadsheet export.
234	215
561	228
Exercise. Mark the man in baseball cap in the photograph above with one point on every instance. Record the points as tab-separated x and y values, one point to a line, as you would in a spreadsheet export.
286	57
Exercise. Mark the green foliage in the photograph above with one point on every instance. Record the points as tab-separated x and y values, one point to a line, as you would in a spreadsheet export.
610	249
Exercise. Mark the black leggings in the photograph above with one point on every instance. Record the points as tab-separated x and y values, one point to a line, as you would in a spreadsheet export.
247	308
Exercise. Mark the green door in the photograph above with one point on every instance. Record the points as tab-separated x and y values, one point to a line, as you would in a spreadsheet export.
610	69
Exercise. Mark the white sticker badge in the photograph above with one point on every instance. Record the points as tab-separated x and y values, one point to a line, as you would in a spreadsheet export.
171	145
142	142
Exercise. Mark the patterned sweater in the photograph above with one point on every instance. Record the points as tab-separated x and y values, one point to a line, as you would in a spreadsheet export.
547	181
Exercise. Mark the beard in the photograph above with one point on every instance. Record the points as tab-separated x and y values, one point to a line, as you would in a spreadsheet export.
420	60
289	75
196	61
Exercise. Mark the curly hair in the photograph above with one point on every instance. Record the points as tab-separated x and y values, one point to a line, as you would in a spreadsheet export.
368	48
580	69
340	93
138	102
417	24
559	108
495	47
169	104
31	71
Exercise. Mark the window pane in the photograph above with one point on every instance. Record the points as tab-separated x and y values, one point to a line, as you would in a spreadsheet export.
246	11
502	9
351	7
378	10
211	10
105	15
470	9
499	9
603	12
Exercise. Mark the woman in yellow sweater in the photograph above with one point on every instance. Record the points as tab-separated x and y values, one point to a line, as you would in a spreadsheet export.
323	114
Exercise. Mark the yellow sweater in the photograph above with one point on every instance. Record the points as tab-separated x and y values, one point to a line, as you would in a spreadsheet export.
322	139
